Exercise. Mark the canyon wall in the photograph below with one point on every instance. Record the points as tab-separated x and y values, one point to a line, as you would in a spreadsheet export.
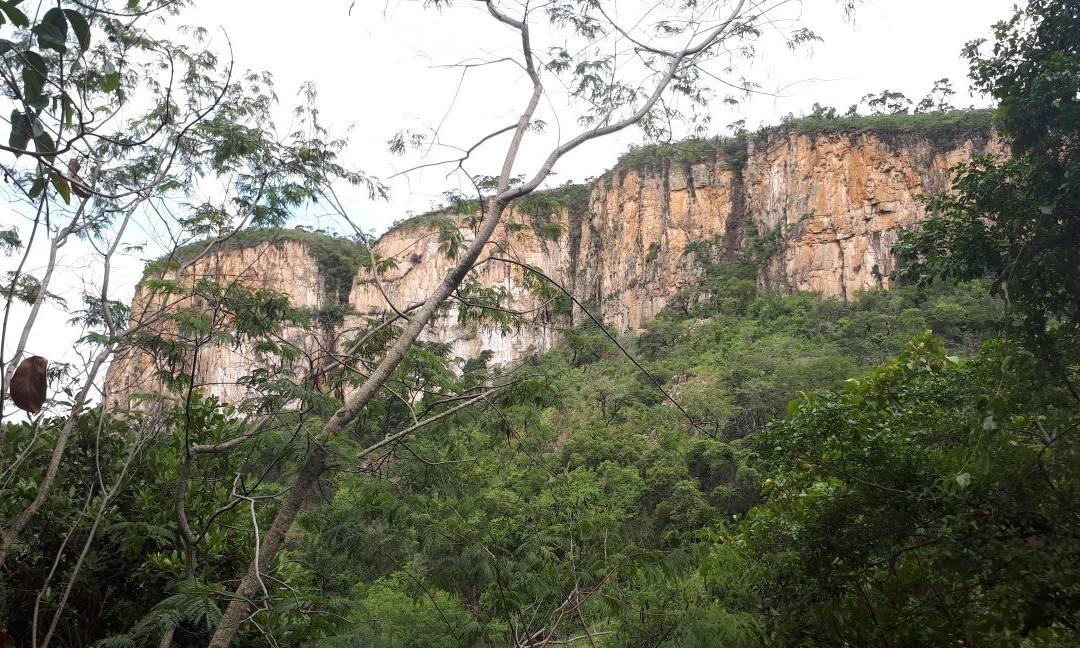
821	211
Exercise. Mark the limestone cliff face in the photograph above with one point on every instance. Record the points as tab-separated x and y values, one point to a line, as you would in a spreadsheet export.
634	242
835	203
217	366
822	211
422	262
825	208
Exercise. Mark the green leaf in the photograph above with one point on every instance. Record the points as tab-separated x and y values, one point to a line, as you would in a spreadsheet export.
963	480
112	78
35	73
21	130
5	46
69	111
45	145
61	185
37	187
50	36
17	17
38	103
55	17
81	27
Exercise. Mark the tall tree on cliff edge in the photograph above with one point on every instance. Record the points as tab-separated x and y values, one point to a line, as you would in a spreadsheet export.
640	64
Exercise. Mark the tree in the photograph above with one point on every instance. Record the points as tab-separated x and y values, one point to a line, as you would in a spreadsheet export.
887	103
938	98
926	504
1017	220
969	468
117	119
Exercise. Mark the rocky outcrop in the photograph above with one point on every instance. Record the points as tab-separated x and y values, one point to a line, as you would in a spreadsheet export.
821	210
636	241
835	203
421	261
216	366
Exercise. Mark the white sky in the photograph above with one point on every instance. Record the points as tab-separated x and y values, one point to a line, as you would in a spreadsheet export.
377	70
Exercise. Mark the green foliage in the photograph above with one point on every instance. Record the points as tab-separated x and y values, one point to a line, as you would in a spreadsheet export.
760	247
116	500
923	505
542	209
932	502
26	288
654	250
687	152
740	353
945	130
585	486
929	502
1017	221
577	485
396	613
574	198
549	231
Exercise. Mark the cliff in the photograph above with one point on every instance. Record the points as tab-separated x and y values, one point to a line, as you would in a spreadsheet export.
816	204
308	268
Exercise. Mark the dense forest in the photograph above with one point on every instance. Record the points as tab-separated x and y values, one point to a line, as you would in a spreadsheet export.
757	468
576	500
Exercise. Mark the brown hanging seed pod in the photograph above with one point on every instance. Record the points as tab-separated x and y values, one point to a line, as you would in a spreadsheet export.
28	384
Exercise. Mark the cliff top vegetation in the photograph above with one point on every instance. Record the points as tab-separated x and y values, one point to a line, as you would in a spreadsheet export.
541	207
339	258
688	151
942	129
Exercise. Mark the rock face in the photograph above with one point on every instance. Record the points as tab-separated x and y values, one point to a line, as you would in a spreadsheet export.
419	252
837	202
218	366
634	250
822	210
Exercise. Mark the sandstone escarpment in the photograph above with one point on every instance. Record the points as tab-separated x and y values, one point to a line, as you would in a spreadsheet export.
634	242
421	261
217	366
817	211
834	203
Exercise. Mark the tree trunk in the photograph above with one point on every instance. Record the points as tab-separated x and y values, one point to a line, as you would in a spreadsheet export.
240	606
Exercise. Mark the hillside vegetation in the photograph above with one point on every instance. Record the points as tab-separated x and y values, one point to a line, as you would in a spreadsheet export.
579	485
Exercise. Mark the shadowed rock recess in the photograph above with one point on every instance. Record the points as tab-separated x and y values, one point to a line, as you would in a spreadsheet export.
817	205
